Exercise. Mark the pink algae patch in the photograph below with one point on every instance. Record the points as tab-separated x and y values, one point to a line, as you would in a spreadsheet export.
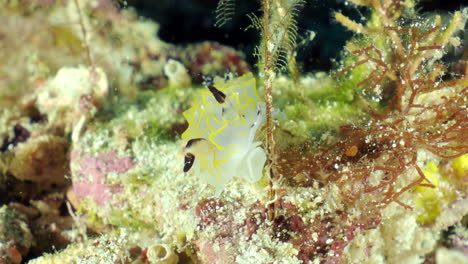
90	179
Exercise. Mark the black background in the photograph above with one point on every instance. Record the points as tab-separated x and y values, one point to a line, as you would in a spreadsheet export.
191	21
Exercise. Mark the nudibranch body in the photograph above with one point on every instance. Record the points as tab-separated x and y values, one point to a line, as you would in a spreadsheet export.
220	138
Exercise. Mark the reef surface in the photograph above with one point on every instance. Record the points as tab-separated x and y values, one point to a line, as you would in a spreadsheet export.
117	147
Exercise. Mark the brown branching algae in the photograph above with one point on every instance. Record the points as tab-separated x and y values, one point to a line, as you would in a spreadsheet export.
119	147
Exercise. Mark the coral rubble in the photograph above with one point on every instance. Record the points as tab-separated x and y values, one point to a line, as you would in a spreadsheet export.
369	161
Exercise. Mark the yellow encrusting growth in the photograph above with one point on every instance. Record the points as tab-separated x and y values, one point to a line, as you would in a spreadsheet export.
460	165
431	200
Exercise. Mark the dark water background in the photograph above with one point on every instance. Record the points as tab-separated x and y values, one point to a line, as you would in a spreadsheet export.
189	21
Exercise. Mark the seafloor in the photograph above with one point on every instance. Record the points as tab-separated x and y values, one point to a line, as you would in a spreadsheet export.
114	150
